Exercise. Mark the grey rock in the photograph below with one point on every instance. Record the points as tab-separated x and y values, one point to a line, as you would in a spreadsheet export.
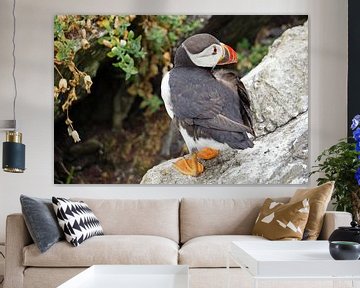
278	86
276	158
278	89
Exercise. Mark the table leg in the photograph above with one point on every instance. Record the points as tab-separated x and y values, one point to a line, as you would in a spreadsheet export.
228	269
255	283
355	283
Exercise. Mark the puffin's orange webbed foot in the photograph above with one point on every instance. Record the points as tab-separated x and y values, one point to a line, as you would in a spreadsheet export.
189	166
207	153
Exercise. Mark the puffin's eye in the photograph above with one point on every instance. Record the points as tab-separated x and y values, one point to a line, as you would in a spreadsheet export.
214	50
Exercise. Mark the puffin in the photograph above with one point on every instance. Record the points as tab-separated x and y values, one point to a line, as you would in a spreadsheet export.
209	105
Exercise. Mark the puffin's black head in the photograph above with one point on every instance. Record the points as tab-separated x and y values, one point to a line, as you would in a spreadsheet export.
204	50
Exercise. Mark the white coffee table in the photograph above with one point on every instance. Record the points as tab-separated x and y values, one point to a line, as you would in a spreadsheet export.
131	276
293	260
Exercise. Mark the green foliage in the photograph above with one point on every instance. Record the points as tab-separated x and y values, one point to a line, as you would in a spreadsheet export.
59	28
64	50
167	30
139	45
160	34
339	163
152	104
71	175
157	37
125	52
125	47
249	56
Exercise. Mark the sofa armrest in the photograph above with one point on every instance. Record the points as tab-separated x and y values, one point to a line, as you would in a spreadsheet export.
333	220
17	237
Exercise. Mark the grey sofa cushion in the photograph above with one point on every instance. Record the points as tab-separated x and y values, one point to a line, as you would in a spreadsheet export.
41	221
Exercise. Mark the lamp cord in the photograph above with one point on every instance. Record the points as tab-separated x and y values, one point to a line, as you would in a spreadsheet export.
14	59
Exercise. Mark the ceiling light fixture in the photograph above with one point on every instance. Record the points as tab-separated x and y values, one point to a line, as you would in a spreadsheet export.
13	149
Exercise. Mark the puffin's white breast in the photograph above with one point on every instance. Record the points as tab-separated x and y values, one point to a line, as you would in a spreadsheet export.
191	143
200	143
166	95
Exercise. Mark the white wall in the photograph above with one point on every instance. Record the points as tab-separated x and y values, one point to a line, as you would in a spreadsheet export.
328	68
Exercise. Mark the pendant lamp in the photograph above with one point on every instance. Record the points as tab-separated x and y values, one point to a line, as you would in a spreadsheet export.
13	160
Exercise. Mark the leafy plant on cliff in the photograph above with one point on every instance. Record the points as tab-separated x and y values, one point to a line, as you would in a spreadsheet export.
140	46
249	56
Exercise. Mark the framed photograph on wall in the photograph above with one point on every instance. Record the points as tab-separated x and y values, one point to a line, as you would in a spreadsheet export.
181	99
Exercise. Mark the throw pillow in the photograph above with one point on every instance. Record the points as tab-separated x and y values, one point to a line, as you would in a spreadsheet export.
41	222
319	198
77	220
279	221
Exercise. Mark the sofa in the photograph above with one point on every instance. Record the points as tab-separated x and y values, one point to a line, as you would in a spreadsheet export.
190	231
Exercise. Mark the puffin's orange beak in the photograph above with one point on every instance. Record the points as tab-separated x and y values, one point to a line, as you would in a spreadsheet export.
229	55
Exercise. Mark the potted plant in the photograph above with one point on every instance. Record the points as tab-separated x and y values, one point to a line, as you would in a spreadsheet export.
341	163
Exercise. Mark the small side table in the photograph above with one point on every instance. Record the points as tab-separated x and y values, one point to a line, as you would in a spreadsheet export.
285	262
131	276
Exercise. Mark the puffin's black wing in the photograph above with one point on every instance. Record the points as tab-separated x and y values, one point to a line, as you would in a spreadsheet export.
199	98
194	94
232	79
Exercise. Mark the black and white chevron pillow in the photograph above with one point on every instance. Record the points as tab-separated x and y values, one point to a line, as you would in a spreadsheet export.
77	220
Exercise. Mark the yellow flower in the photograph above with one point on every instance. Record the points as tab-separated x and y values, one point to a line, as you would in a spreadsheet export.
88	23
107	43
56	92
122	43
62	85
83	33
88	82
85	44
68	121
75	136
72	95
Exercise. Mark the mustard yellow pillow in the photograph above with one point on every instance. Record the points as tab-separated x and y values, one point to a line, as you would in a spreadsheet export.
279	221
319	198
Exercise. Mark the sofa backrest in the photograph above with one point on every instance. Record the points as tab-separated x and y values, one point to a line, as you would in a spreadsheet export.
159	217
200	217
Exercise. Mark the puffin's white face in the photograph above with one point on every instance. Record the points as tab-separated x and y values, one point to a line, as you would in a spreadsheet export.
209	57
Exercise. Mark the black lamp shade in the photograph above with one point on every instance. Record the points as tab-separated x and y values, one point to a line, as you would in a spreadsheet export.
13	156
